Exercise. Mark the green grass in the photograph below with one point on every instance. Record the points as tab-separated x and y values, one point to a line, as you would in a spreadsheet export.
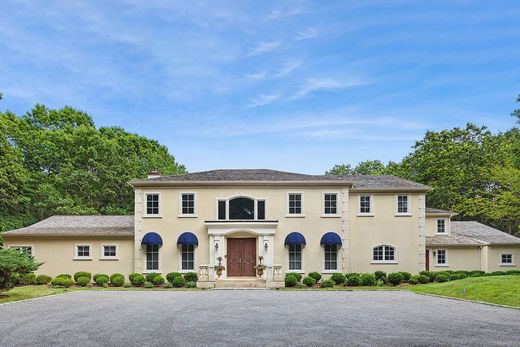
340	288
30	292
502	290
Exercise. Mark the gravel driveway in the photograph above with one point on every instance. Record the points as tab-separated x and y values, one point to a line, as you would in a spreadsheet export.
254	317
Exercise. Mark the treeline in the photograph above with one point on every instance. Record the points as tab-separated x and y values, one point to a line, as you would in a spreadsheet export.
472	172
58	162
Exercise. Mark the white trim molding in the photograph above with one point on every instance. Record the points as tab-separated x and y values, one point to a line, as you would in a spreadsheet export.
371	207
188	215
295	215
102	252
330	215
408	212
145	205
90	251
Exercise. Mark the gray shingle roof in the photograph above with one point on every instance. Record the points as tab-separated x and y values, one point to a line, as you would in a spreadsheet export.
472	234
451	240
437	211
78	226
383	182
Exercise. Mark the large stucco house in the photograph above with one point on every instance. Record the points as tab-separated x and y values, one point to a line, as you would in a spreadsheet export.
296	222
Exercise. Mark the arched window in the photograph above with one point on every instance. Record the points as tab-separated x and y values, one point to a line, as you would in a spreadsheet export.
383	253
241	208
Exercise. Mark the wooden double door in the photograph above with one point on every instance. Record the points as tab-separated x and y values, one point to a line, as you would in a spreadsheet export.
241	257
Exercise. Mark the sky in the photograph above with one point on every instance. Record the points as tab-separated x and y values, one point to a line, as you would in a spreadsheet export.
288	85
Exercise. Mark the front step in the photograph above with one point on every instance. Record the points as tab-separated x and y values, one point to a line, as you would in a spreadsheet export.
240	282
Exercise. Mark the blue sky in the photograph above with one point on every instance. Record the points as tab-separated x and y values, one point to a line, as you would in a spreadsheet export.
294	85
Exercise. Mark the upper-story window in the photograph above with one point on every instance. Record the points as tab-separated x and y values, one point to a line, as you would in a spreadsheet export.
24	249
441	226
152	204
365	204
188	204
295	202
241	208
403	204
442	257
330	204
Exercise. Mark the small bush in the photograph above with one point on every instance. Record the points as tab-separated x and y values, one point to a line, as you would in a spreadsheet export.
62	282
440	273
65	276
380	275
309	281
395	278
368	280
298	276
428	274
462	275
316	276
498	273
136	279
406	276
178	282
169	277
414	280
290	280
99	275
442	278
127	285
168	285
82	274
158	280
466	273
148	284
191	284
338	278
327	284
380	283
423	279
117	280
476	273
513	272
83	281
347	275
101	280
353	280
191	277
454	277
43	279
27	279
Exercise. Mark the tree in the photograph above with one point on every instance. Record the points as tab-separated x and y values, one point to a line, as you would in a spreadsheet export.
367	167
13	263
516	113
340	169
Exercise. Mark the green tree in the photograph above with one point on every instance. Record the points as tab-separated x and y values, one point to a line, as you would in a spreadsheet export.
516	113
14	263
340	169
367	167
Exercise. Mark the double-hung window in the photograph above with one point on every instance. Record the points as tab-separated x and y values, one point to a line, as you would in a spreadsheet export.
295	257
506	259
403	204
152	204
188	204
442	257
330	204
295	204
109	251
365	204
152	257
83	252
383	253
441	226
331	257
188	257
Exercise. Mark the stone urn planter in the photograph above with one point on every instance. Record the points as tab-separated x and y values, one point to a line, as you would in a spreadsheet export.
219	267
260	268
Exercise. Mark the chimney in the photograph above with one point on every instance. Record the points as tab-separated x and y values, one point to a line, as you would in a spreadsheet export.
154	173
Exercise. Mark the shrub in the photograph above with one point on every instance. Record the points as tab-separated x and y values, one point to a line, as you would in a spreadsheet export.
327	284
380	283
428	274
101	280
13	262
476	274
395	278
191	284
454	277
127	285
464	272
442	278
43	279
117	280
338	278
309	281
98	275
440	273
169	277
316	276
353	280
168	285
380	275
62	282
347	275
406	276
300	285
82	274
178	282
83	281
65	276
513	272
136	279
423	279
414	279
27	279
290	280
368	280
191	277
148	284
462	275
498	273
158	280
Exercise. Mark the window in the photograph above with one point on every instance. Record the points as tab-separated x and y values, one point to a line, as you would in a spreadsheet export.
331	257
82	251
152	257
383	253
402	204
187	255
441	226
507	258
222	209
295	257
441	257
152	204
261	209
330	201
187	203
241	208
295	203
365	204
25	249
109	251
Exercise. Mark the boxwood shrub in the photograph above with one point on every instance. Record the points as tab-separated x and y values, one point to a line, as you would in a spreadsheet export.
316	276
43	279
136	279
441	278
414	279
338	278
380	275
178	282
158	280
290	280
98	275
462	275
65	276
62	282
368	280
151	276
114	275
476	273
298	276
395	278
498	273
82	274
83	281
309	281
406	275
117	280
423	279
353	280
191	284
148	284
454	277
191	277
513	272
27	279
170	276
101	279
327	284
428	274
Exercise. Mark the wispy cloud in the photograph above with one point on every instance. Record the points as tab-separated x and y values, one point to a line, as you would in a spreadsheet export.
265	47
306	34
274	14
256	76
287	12
262	100
288	68
317	84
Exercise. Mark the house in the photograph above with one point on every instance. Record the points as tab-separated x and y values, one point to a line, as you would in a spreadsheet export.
294	222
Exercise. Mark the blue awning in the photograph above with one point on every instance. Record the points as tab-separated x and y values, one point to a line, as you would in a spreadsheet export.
295	238
330	238
152	238
188	238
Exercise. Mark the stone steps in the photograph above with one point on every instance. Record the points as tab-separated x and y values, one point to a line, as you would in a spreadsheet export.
240	282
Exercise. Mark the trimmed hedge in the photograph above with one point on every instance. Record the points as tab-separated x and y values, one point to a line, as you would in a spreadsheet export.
428	274
136	279
27	279
316	276
83	281
158	280
395	278
43	279
65	276
62	281
151	276
423	279
101	280
406	275
82	274
442	278
117	280
380	276
309	281
454	277
290	280
191	277
169	277
96	276
353	280
148	284
327	284
368	280
338	278
414	279
191	284
178	282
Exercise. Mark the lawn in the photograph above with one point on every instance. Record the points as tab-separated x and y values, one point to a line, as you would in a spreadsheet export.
502	290
30	292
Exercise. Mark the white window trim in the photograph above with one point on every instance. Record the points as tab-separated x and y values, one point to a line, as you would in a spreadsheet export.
187	215
446	226
102	252
19	246
146	271
295	215
145	206
76	257
302	270
365	214
256	200
512	263
446	264
403	214
338	205
382	262
179	248
323	271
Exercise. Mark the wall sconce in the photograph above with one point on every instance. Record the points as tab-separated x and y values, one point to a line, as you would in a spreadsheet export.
266	245
216	245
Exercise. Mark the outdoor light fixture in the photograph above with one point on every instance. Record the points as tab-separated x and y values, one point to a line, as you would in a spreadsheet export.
266	245
216	245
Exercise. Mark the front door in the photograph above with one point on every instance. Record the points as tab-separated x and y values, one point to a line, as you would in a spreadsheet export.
241	257
427	260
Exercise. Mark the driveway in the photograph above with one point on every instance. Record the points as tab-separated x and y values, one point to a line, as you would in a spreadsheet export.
254	317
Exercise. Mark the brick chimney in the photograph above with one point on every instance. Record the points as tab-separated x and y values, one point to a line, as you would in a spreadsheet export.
154	173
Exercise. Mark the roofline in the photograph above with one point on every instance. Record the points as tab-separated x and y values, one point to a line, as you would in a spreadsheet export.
68	234
391	190
452	245
140	183
450	214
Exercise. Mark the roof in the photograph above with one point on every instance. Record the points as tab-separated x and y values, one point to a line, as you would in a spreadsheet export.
436	211
464	233
263	176
78	226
